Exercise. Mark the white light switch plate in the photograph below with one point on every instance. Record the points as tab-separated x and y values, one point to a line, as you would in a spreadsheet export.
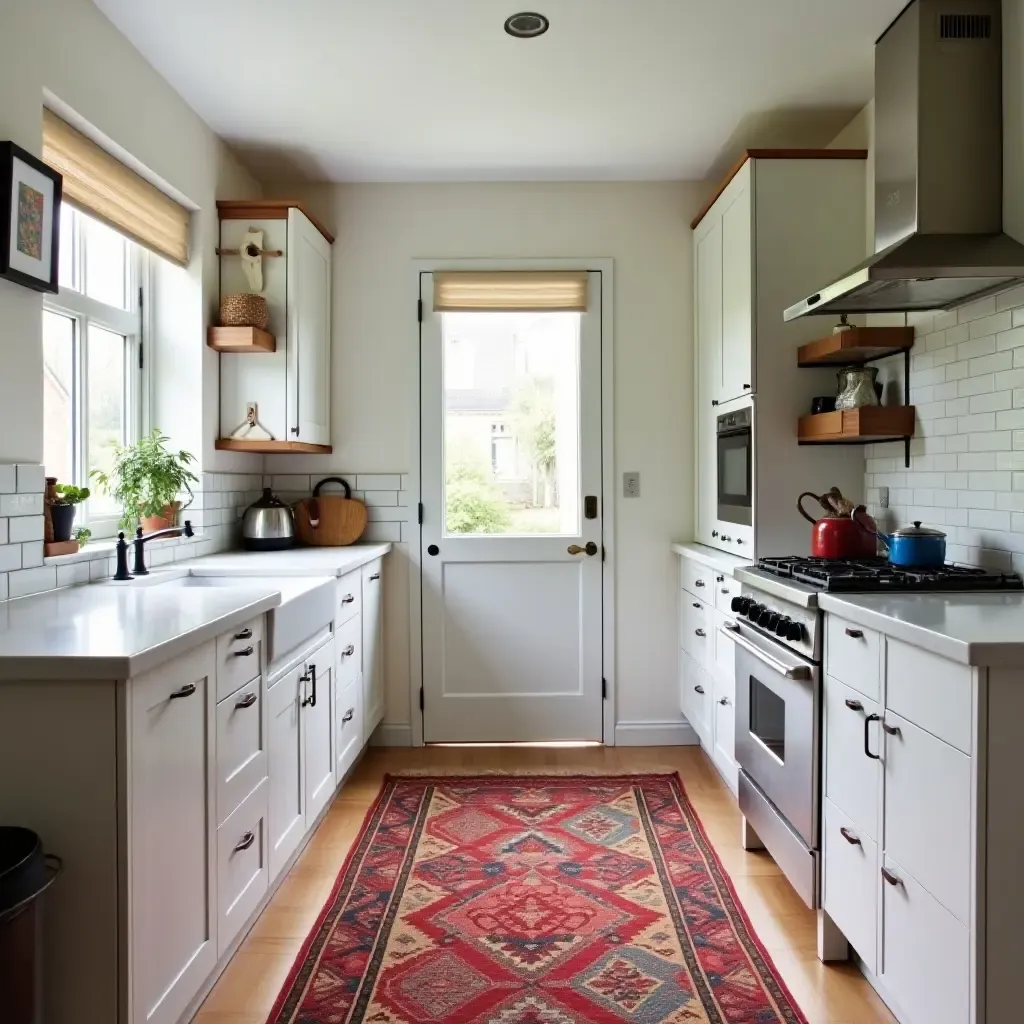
631	485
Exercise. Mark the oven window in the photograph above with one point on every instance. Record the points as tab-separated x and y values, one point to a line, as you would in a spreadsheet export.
768	718
734	476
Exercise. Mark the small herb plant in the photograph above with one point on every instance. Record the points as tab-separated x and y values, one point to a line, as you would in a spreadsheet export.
69	494
145	478
82	535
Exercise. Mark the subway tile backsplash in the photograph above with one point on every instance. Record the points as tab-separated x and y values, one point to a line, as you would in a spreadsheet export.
220	499
966	474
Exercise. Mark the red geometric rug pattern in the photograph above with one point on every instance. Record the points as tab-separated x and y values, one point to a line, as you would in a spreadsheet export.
533	900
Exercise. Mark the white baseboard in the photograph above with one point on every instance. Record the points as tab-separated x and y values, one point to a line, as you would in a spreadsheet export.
655	734
390	735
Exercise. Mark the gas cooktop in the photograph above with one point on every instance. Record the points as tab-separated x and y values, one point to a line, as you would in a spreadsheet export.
865	575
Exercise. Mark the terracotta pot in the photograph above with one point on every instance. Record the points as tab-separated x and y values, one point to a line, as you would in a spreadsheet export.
167	521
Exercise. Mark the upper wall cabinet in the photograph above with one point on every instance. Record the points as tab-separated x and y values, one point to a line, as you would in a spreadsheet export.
288	380
782	220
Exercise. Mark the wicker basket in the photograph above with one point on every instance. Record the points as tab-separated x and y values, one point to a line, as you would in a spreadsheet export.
244	310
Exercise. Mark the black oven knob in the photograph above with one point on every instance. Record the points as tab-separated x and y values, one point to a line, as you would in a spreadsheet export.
754	611
795	632
740	604
765	618
782	626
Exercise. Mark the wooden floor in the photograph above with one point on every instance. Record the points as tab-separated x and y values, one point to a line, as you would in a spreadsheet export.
836	994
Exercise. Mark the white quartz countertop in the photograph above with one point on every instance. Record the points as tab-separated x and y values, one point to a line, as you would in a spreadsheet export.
293	562
974	629
111	632
720	560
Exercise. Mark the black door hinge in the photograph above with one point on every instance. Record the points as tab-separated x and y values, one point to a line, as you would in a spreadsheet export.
604	553
419	311
419	513
604	689
140	333
421	698
140	355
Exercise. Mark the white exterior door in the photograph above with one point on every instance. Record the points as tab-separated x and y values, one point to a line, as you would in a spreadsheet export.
309	332
511	542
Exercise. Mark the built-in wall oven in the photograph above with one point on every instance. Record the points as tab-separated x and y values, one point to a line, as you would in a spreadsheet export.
778	732
735	467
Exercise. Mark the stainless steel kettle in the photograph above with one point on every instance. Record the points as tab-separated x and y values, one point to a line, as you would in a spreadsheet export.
268	524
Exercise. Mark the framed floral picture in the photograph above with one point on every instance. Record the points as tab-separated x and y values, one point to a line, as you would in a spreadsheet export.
30	197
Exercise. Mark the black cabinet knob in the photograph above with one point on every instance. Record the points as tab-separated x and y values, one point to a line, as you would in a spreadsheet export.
433	550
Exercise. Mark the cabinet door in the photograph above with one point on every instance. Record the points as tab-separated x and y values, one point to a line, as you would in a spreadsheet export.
853	732
318	729
284	746
373	646
737	291
928	812
309	332
926	953
348	725
708	292
172	836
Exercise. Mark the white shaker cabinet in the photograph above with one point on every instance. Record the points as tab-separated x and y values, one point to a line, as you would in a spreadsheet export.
172	829
782	222
923	828
707	672
291	385
318	727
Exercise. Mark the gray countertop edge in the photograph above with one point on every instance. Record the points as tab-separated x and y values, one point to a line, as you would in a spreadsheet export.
976	654
83	667
721	560
207	565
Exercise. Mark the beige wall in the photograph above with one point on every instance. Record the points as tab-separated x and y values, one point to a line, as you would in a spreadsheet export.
644	228
67	47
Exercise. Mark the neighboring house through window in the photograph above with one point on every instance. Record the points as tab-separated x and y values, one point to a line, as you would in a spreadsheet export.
92	333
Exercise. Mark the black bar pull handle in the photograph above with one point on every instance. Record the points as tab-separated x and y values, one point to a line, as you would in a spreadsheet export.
867	728
186	691
245	842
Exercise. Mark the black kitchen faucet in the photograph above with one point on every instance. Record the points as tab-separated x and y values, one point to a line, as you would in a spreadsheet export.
140	569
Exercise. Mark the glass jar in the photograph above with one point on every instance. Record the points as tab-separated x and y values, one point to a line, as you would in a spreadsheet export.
857	387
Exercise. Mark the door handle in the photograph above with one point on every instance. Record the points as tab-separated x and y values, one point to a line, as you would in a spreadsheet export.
732	632
375	576
854	634
849	836
891	878
347	599
724	701
246	702
186	691
699	688
312	676
349	651
349	715
590	549
892	730
244	653
867	727
854	705
246	634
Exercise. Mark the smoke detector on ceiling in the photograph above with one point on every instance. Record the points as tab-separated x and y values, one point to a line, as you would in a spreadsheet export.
527	25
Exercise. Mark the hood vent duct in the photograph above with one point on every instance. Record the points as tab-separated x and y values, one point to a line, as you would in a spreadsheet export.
938	168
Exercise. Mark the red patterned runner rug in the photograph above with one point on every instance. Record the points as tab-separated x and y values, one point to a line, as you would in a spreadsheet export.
533	900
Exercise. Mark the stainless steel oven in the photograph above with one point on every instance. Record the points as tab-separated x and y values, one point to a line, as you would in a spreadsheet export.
735	467
778	738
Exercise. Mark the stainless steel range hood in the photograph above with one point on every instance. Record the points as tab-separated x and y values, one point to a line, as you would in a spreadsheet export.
938	168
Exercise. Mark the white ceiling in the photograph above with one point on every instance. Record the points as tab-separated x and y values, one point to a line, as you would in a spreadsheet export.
398	90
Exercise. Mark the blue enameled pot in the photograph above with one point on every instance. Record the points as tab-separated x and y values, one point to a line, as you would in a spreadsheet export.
915	545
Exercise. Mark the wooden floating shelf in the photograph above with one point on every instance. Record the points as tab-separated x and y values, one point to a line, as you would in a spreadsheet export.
856	346
235	444
240	340
867	425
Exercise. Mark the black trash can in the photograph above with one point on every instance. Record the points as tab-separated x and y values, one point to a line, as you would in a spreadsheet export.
25	874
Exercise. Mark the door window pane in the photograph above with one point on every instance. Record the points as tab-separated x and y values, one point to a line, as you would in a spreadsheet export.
512	423
106	263
58	396
107	412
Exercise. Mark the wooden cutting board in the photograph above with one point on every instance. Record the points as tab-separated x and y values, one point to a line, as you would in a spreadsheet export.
330	520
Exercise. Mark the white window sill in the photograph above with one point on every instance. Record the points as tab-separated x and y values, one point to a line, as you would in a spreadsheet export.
106	548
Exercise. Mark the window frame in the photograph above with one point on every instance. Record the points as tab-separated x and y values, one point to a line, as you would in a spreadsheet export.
84	311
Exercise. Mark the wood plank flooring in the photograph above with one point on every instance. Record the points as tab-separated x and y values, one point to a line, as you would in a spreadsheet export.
836	994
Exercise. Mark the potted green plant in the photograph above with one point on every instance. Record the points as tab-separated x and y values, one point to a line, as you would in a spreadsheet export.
63	509
146	479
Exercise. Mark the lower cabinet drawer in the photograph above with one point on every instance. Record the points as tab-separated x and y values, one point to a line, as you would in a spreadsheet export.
242	872
350	597
349	637
696	623
241	746
238	656
850	882
348	731
926	958
853	732
696	691
724	648
698	580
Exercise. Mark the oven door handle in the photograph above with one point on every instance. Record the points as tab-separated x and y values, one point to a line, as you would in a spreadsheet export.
732	632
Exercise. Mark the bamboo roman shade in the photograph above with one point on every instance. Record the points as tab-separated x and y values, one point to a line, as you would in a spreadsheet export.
102	186
510	291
